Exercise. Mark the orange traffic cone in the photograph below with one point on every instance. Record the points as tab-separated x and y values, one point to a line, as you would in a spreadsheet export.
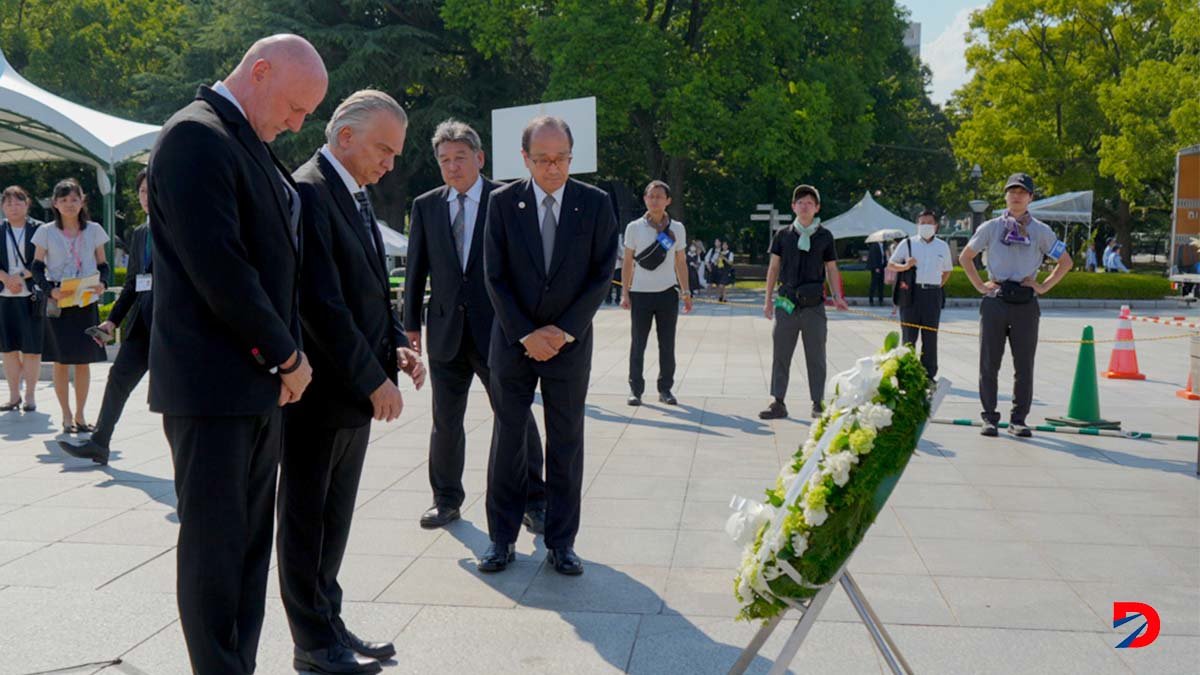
1189	393
1123	365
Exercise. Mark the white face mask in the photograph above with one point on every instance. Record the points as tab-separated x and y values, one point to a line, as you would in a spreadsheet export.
925	231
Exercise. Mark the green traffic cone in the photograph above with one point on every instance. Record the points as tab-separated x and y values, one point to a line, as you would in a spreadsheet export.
1084	408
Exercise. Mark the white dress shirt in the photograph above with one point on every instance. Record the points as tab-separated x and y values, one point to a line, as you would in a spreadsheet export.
471	206
221	89
351	185
933	258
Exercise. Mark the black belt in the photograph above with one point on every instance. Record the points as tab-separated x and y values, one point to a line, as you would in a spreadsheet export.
927	287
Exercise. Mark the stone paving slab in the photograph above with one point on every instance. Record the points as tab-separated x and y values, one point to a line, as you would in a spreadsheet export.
993	555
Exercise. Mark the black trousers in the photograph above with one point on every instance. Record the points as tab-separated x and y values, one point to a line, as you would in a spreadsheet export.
508	471
614	290
133	359
662	308
318	483
225	469
875	291
925	310
1000	321
451	382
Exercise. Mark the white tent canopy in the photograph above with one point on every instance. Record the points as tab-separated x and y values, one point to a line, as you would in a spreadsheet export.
37	126
395	244
1069	207
866	217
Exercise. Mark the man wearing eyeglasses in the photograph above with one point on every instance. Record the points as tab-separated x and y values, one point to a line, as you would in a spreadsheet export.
1016	243
549	243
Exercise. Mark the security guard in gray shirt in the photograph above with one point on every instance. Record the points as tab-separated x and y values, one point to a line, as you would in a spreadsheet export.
1016	244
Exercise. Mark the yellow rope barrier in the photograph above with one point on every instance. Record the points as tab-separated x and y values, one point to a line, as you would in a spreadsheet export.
948	331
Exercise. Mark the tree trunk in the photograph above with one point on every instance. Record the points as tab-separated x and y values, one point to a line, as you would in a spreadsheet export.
676	170
1123	224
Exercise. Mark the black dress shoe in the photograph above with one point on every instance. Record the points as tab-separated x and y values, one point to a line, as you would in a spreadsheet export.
817	410
380	651
565	561
668	398
777	410
439	516
634	400
336	660
497	557
90	450
535	521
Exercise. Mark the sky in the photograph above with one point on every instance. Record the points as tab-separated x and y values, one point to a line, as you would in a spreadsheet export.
943	24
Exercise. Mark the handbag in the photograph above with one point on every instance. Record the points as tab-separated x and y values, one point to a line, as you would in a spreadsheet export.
906	281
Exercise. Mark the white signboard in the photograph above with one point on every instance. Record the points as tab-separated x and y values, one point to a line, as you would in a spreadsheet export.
508	123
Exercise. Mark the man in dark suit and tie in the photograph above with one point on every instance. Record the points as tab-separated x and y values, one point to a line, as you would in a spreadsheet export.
548	252
445	247
135	303
876	262
225	341
356	344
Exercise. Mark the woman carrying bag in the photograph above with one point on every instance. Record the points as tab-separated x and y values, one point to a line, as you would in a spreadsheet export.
22	310
73	248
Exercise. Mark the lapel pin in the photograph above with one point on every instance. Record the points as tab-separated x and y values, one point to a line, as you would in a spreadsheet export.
520	205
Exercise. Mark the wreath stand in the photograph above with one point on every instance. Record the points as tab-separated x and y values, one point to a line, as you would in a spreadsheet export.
810	609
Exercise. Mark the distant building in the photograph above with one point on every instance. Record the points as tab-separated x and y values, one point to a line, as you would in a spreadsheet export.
912	39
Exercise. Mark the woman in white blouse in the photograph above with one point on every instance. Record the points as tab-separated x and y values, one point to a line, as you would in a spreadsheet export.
72	247
22	312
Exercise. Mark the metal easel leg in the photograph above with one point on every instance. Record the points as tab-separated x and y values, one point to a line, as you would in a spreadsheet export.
756	644
891	654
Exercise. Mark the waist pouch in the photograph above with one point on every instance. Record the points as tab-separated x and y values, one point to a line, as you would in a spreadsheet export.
653	256
805	295
1014	293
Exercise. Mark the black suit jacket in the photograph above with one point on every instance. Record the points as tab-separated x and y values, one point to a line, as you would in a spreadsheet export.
459	299
525	296
350	329
31	226
225	265
137	307
876	256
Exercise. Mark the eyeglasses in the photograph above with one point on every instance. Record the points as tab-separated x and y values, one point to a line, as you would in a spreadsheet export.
560	162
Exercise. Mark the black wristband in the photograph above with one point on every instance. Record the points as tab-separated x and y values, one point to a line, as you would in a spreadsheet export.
294	367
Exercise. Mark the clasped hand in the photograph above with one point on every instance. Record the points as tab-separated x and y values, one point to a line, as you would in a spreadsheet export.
544	343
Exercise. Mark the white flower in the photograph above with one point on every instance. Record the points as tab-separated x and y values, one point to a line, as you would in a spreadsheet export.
856	386
810	446
895	382
748	517
772	541
743	587
799	544
838	466
815	480
771	572
875	416
815	518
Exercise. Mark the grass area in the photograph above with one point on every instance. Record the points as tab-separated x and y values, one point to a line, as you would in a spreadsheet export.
1076	285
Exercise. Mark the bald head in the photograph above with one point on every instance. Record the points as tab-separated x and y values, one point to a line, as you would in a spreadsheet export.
280	81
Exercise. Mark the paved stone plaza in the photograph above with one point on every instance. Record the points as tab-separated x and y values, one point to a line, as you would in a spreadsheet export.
993	555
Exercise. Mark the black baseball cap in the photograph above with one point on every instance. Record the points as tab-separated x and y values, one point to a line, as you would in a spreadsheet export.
1021	180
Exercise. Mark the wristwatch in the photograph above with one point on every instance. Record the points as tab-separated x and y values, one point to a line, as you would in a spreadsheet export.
280	370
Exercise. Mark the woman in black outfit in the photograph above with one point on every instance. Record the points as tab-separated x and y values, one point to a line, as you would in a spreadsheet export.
22	312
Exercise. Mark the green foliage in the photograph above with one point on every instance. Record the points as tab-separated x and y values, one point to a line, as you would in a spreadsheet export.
1077	285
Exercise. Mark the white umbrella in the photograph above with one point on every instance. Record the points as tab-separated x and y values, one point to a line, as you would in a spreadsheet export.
886	234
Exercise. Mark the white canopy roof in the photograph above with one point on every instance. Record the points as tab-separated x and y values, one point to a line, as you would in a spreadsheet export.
864	218
1069	207
36	125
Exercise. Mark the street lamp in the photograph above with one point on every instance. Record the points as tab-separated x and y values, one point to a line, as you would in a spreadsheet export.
978	206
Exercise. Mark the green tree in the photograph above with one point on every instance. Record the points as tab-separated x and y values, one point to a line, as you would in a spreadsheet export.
1083	94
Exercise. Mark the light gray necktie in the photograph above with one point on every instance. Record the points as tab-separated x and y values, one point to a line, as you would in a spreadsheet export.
459	227
549	226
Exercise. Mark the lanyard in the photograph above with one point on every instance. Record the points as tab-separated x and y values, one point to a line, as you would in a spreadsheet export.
146	259
17	247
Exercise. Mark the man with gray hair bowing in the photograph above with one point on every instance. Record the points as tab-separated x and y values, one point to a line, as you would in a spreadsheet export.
548	249
225	343
357	345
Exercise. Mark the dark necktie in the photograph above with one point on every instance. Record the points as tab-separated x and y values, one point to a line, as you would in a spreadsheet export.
459	228
367	213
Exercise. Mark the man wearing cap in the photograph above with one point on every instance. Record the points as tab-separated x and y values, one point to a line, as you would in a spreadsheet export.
1016	243
931	258
802	257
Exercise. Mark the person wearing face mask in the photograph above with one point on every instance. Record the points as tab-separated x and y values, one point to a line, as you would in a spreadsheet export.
803	258
931	258
1016	243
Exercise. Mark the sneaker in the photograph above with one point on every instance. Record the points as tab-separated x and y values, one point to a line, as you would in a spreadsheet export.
989	430
1020	431
817	410
777	410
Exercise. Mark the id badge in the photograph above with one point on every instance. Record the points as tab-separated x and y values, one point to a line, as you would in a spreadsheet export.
784	304
142	283
1058	249
665	241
